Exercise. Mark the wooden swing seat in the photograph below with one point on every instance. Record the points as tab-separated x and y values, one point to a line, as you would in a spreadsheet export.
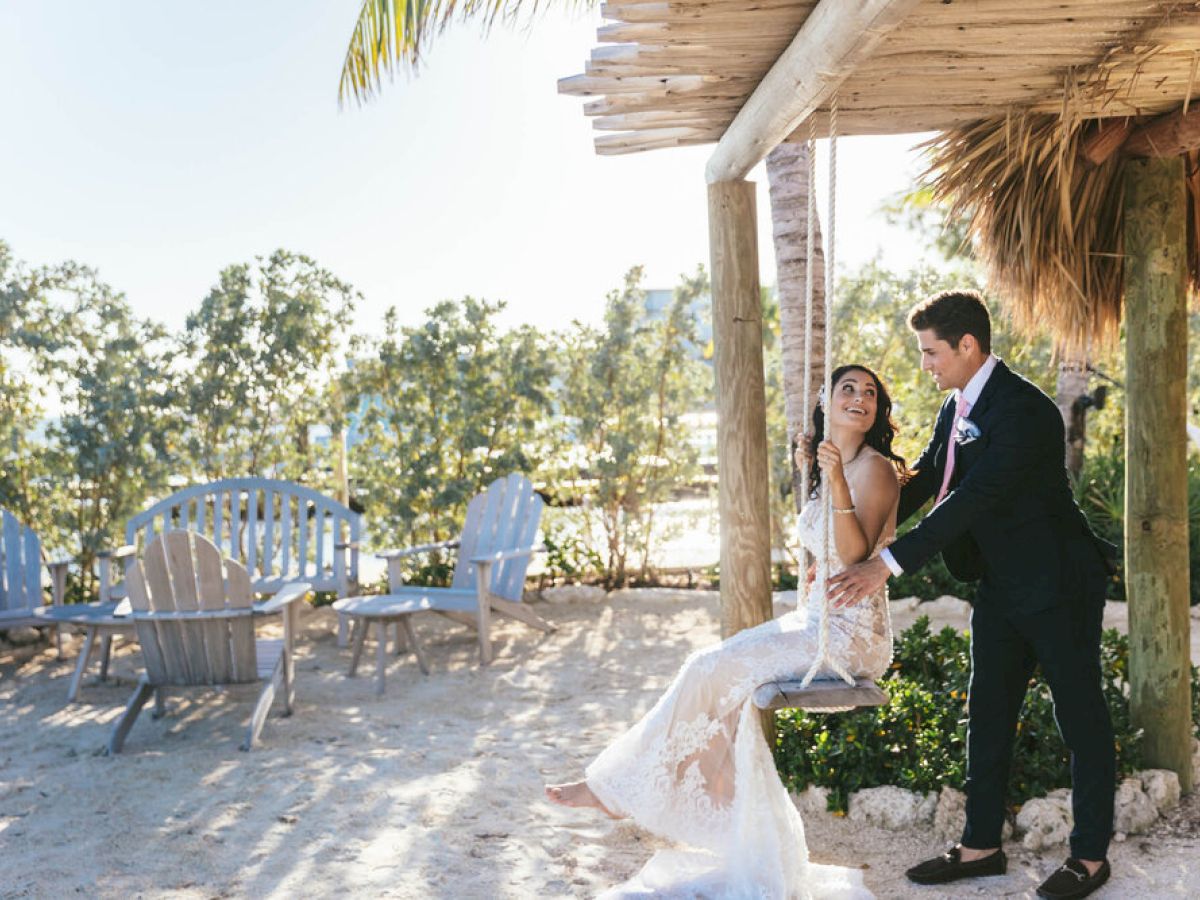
821	695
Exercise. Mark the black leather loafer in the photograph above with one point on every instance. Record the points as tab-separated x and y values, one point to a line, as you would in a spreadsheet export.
1073	880
950	867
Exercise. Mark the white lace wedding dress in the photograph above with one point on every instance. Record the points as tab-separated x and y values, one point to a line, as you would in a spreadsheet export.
697	770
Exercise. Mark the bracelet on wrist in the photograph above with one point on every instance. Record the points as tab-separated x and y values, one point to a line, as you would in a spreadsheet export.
847	509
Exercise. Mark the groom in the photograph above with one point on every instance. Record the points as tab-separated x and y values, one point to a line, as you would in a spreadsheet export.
1004	515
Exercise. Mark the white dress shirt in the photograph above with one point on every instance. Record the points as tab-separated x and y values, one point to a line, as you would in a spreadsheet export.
971	392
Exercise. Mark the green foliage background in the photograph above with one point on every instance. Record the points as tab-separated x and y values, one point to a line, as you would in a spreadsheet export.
626	387
100	411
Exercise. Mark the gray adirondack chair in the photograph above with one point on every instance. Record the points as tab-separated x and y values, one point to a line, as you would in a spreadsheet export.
193	612
279	530
494	550
21	575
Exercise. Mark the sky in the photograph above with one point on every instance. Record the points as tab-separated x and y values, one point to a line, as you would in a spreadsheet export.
161	142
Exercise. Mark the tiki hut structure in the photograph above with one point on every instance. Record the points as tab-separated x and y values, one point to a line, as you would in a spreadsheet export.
1069	135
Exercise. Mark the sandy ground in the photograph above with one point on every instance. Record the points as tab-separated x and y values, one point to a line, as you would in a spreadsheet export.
433	790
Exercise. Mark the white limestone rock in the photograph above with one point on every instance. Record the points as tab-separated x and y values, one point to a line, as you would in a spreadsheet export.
892	807
927	807
950	814
1162	787
904	612
1135	812
813	800
22	636
1045	821
946	610
574	593
1116	615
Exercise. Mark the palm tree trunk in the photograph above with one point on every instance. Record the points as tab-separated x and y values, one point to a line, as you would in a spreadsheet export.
787	174
1072	384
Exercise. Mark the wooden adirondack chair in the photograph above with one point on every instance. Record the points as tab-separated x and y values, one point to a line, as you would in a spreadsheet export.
21	575
494	550
279	530
193	612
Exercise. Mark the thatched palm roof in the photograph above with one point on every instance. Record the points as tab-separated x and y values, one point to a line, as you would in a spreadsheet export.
1047	225
1014	85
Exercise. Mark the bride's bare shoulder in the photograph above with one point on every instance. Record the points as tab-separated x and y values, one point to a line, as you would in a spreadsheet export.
877	472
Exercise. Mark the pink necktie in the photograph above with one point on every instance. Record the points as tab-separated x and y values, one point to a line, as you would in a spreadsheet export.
960	410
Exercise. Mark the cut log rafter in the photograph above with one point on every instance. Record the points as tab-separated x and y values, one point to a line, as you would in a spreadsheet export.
829	46
1171	134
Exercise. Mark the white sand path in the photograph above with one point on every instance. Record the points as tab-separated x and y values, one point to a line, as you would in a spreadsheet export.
433	790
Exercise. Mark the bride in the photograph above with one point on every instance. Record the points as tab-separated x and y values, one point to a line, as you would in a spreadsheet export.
696	768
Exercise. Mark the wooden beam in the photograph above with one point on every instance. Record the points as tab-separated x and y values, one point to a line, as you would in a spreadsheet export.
1112	133
831	43
1156	488
1171	135
638	141
587	85
743	497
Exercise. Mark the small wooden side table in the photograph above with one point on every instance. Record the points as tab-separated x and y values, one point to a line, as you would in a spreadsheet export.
97	620
382	610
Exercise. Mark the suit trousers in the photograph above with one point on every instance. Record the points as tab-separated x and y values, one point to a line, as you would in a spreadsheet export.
1005	647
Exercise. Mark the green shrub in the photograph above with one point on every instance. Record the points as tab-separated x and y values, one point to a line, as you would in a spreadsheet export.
1100	491
918	740
569	557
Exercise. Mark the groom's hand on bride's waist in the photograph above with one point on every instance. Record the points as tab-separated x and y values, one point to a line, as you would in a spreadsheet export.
857	582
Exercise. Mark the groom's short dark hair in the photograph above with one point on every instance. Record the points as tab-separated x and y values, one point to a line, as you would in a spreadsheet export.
951	314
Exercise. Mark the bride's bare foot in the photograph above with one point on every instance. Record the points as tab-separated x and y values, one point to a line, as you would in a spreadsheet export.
578	795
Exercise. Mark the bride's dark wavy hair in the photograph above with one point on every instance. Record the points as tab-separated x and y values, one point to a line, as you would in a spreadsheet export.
879	437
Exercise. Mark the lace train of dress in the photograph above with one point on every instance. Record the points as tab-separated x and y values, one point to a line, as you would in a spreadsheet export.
696	769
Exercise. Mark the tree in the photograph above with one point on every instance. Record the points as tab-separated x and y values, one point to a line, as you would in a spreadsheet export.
919	212
114	443
31	333
390	35
626	388
444	408
788	167
261	354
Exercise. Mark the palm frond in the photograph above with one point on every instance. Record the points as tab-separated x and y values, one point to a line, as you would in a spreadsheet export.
392	35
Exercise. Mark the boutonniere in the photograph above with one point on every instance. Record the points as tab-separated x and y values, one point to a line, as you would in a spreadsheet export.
965	431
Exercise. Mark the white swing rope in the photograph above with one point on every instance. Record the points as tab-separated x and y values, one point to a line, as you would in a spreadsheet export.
823	659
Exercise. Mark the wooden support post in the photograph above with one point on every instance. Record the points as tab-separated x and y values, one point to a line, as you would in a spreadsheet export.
1156	491
743	497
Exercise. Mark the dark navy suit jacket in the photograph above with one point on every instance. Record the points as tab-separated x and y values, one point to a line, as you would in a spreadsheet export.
1010	520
